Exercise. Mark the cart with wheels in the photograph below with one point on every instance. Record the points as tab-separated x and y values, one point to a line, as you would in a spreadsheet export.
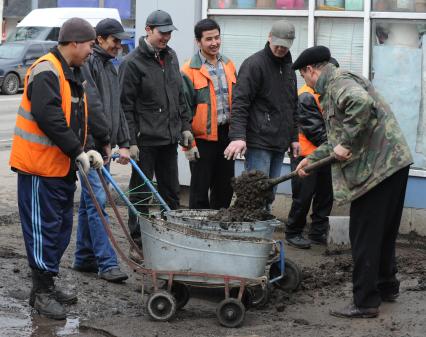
183	255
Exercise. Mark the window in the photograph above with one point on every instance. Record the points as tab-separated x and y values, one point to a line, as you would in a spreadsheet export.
243	36
344	37
339	5
398	71
399	6
53	34
259	4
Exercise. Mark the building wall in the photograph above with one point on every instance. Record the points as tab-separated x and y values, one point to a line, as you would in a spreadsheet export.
183	18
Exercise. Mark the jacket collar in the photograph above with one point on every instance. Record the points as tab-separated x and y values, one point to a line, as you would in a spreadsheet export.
196	62
286	59
149	51
99	51
327	75
71	74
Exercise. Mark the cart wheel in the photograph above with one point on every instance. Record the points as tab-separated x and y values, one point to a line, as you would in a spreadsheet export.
161	306
260	295
180	291
246	299
230	312
292	275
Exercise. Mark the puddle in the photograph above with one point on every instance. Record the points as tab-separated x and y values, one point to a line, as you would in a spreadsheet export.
17	319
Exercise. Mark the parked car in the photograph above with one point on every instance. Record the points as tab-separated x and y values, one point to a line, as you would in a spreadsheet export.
16	58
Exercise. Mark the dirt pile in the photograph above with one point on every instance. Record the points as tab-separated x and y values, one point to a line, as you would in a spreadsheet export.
251	199
327	275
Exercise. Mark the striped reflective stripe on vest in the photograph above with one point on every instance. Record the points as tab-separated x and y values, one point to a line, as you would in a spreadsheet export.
31	137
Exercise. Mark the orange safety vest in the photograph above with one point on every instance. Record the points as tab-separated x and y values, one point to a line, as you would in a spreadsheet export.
306	146
32	151
204	122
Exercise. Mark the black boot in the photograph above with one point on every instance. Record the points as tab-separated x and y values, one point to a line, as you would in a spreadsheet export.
62	296
42	297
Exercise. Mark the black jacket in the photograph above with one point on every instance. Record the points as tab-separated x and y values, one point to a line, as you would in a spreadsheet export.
152	96
107	120
264	102
310	119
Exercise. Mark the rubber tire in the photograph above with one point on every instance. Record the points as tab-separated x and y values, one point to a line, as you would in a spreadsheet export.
180	291
292	275
10	78
231	307
157	301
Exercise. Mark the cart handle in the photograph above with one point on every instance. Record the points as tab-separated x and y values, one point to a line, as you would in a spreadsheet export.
148	183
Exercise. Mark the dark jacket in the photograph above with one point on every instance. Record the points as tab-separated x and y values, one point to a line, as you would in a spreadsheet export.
310	120
152	96
265	102
107	120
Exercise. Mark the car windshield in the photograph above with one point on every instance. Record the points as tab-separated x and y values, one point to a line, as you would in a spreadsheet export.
28	33
11	51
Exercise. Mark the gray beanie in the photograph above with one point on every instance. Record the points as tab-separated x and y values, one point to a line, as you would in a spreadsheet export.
76	30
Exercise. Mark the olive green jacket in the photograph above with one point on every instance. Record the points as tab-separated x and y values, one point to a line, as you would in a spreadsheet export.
359	119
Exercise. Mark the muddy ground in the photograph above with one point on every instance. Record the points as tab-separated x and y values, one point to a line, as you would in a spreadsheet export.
106	309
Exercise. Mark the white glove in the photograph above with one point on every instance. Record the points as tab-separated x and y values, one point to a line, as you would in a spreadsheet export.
192	154
83	159
187	138
134	152
95	158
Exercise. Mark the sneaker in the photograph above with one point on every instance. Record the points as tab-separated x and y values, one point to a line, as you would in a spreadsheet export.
299	241
352	311
134	256
114	275
91	267
319	240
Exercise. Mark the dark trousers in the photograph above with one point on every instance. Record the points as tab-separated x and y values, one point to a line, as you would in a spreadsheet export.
212	172
317	189
374	222
46	213
160	161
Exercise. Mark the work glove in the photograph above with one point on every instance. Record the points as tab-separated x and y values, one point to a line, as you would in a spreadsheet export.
134	152
187	138
95	158
84	161
192	154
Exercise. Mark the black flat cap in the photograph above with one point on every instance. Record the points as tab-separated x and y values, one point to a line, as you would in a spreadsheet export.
312	55
76	30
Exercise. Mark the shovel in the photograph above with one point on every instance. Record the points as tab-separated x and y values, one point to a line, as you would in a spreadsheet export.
269	183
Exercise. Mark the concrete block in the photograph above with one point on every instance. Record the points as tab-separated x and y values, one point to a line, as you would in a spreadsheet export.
406	219
419	221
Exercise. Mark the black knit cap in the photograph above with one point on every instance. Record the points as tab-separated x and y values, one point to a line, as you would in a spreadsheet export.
76	30
311	56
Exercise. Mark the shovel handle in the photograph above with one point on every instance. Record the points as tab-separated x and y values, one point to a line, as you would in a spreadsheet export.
309	168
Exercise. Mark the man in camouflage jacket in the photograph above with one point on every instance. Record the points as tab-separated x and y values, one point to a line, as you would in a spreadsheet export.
371	173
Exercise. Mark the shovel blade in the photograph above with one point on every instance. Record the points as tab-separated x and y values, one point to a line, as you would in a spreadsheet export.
338	235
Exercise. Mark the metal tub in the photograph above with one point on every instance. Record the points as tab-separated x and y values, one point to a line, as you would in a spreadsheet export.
198	219
172	247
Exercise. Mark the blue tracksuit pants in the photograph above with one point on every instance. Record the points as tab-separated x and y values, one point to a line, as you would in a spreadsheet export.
46	212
